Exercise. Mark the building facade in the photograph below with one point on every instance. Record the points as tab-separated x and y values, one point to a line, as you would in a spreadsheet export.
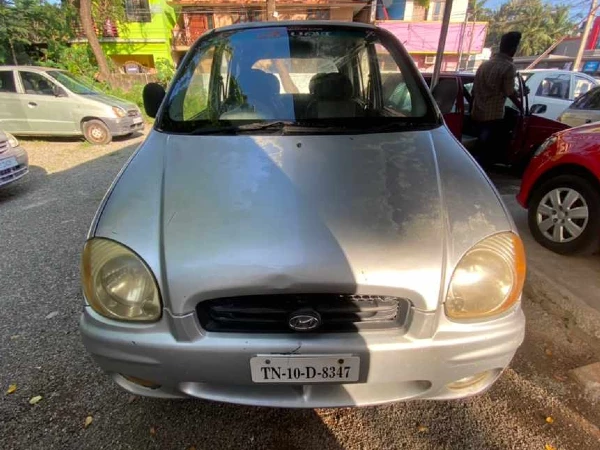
195	17
156	30
142	40
419	28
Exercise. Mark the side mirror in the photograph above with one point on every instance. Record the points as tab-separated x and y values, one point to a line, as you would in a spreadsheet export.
526	90
538	109
153	96
59	92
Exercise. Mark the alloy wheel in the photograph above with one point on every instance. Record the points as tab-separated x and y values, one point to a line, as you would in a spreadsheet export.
562	215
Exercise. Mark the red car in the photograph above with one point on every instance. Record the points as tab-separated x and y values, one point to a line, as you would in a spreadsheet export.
561	189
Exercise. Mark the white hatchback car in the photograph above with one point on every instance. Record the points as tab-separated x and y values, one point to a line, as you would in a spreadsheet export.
552	91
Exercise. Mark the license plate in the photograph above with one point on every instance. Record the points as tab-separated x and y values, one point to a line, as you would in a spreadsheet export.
137	120
8	163
304	369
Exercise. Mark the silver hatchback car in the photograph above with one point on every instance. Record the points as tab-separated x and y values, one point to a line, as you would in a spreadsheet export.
288	236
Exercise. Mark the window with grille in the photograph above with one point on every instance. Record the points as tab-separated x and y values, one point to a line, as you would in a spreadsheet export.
138	11
437	10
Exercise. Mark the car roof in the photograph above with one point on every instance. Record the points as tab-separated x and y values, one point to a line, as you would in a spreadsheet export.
557	71
32	68
296	23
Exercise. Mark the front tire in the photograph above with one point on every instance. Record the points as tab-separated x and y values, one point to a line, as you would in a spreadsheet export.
96	132
564	215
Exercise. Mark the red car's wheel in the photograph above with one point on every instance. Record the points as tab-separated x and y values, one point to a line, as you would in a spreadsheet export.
564	215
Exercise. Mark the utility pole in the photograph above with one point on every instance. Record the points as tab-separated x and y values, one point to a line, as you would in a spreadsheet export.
435	76
463	29
584	36
271	10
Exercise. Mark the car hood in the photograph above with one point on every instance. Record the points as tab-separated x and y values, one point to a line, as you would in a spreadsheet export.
217	216
106	99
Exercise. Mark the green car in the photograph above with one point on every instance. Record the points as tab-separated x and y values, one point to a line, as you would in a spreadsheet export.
42	101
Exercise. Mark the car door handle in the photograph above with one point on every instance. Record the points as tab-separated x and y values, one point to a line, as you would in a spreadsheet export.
32	104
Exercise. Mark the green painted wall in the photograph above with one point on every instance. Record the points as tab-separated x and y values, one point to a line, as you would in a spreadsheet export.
142	41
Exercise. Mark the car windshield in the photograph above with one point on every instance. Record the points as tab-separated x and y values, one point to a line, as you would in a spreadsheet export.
309	76
73	83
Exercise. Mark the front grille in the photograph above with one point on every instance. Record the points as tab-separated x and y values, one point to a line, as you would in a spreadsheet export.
12	173
271	313
3	146
133	113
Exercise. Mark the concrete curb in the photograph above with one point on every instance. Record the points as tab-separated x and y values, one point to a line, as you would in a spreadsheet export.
559	300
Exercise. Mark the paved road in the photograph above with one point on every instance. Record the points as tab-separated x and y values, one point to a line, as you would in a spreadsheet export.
43	222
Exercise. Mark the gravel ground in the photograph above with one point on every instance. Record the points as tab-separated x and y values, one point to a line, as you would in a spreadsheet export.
43	223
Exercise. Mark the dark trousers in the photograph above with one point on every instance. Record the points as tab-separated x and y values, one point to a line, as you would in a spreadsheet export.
491	137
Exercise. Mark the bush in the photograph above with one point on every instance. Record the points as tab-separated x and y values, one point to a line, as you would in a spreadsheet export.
164	70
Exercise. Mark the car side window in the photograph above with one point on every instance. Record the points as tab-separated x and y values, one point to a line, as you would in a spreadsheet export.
7	82
34	83
395	92
594	100
556	86
191	93
582	85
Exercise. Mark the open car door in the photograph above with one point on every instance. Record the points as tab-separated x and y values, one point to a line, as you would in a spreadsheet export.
529	131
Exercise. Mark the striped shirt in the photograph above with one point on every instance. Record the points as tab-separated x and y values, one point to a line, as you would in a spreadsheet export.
494	82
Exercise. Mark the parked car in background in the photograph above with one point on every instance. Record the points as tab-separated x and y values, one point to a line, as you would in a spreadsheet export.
586	109
561	190
318	247
14	163
551	91
523	133
44	101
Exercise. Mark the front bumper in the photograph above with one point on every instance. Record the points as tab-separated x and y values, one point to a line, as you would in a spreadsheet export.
124	125
14	173
188	362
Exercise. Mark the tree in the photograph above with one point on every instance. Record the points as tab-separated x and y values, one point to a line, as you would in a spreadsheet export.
541	24
87	23
27	25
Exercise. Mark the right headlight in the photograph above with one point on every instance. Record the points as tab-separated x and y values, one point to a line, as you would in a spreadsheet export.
547	143
117	283
489	278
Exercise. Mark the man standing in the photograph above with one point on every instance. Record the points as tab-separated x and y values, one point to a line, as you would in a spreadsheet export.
494	83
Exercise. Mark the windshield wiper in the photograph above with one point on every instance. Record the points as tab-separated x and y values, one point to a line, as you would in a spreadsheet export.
236	129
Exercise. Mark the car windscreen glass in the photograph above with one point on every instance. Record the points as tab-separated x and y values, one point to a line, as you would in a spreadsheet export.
317	77
73	83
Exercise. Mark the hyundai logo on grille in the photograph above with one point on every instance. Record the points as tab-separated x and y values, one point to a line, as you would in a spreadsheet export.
307	320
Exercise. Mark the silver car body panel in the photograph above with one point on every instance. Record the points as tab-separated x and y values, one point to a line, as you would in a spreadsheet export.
382	214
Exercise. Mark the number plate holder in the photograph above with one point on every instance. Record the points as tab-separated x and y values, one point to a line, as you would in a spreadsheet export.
305	369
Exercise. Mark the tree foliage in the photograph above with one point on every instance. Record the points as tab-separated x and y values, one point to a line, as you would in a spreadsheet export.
28	23
540	22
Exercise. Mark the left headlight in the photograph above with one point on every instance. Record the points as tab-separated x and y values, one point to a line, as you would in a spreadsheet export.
489	278
117	283
547	143
119	112
12	141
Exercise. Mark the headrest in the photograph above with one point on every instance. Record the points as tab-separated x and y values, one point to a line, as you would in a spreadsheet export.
256	84
331	86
